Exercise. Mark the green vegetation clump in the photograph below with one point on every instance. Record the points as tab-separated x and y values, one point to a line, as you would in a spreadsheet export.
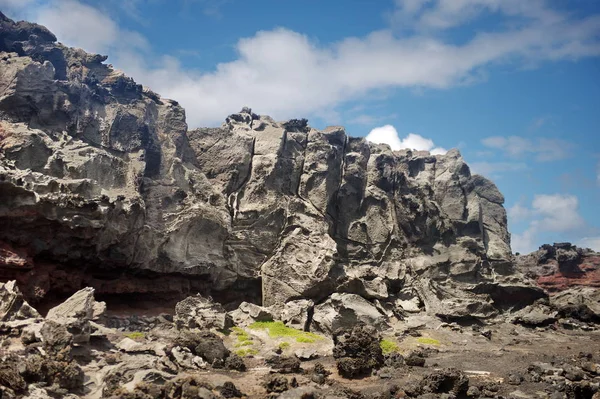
428	341
277	329
388	346
243	337
136	335
284	345
246	352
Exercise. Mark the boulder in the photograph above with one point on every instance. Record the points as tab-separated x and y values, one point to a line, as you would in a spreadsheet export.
76	313
12	304
296	314
202	313
357	350
582	303
344	311
248	313
79	305
535	315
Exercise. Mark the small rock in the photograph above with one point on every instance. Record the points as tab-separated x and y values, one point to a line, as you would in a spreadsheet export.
473	392
229	390
486	333
284	364
415	359
276	383
515	379
306	354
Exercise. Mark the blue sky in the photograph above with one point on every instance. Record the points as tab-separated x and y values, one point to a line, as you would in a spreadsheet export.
514	84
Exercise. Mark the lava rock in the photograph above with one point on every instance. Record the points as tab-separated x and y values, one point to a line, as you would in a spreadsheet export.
445	381
276	383
357	351
284	364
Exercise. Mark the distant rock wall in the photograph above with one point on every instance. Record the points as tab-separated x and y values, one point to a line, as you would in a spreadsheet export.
561	266
101	182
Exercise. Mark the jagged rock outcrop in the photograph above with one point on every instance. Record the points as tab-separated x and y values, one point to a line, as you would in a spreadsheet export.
561	266
102	185
13	306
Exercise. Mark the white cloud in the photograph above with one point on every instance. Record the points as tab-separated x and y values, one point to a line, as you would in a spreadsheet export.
543	149
81	25
518	212
446	14
495	169
12	5
284	74
556	213
389	135
589	242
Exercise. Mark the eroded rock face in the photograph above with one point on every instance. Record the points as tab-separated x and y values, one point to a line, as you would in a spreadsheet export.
97	170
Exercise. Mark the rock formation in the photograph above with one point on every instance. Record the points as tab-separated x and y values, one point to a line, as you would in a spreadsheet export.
102	185
561	266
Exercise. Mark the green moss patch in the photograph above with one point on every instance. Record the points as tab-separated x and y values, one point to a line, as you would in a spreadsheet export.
243	338
136	335
246	352
277	329
388	346
428	341
284	345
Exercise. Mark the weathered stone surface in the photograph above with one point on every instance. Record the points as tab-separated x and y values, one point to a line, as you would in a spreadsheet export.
582	303
535	315
344	311
76	313
80	305
203	313
12	304
296	314
248	313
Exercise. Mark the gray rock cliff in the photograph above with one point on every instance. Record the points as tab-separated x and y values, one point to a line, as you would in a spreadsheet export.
102	185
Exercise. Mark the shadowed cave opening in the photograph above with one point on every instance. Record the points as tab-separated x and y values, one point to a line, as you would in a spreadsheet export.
126	291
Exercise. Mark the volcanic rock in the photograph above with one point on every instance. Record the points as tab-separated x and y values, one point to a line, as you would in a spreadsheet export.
12	304
357	351
248	313
345	311
560	266
203	313
297	314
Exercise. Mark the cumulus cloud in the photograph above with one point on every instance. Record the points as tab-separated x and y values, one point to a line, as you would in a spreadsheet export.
81	25
285	74
557	213
542	149
446	14
389	135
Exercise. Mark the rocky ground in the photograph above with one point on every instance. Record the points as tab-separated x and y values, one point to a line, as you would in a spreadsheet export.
550	349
